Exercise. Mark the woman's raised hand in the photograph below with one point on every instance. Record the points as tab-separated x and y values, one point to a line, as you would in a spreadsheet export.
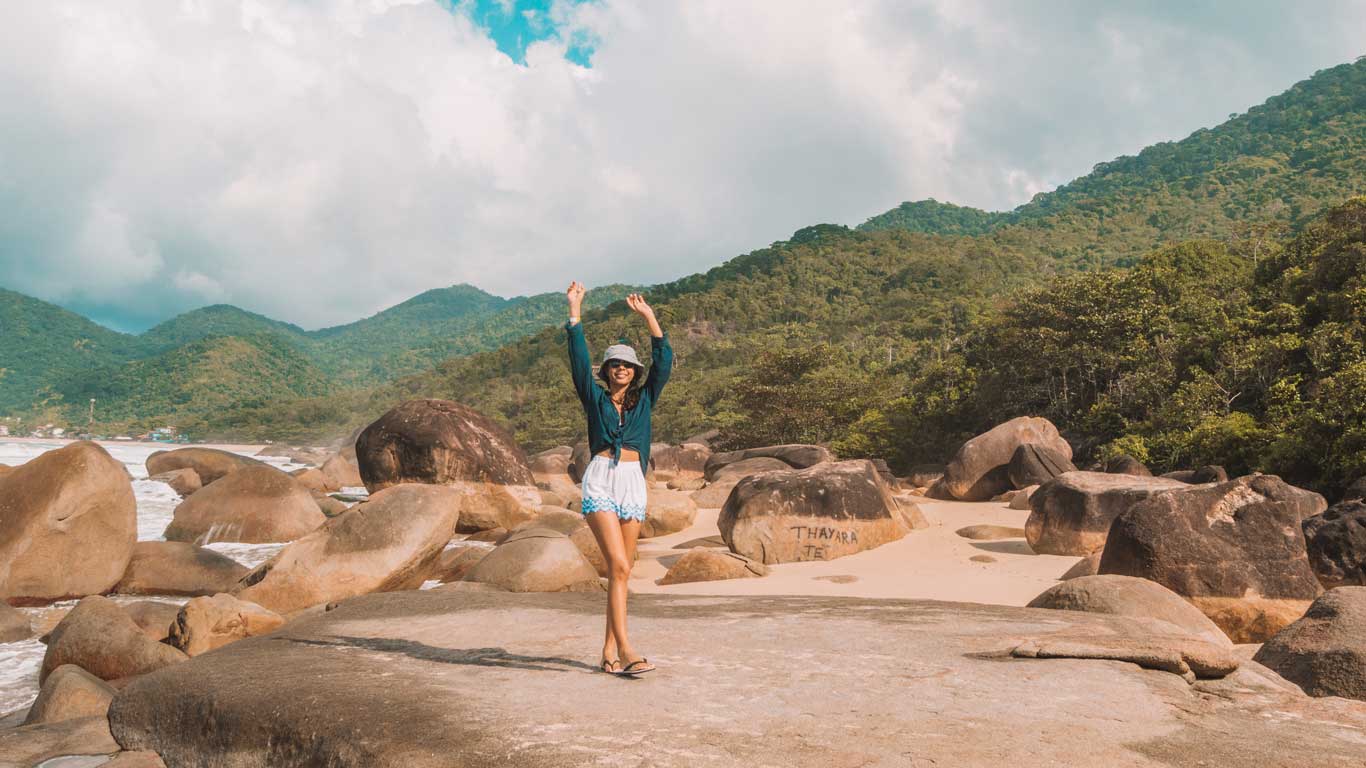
575	295
637	304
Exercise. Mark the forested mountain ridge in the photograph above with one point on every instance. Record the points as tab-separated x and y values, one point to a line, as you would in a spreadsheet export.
1276	165
52	361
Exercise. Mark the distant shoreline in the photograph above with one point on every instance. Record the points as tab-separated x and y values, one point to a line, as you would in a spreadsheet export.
234	447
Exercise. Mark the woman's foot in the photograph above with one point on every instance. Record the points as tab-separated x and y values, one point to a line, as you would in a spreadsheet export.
637	667
610	666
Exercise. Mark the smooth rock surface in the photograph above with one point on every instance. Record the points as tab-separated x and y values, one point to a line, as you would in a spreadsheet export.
68	520
1124	464
442	442
31	745
100	638
667	512
1324	652
1336	544
827	511
183	481
979	469
70	692
1129	596
386	543
209	464
536	560
178	568
1034	464
485	678
253	505
794	456
701	564
206	623
1233	549
1071	514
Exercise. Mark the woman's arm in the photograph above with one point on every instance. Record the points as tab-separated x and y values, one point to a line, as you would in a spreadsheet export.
661	353
580	364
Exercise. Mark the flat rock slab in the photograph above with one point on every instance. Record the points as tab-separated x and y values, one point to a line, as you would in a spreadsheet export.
477	678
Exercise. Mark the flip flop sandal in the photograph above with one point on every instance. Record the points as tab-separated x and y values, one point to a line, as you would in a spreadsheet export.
630	670
607	666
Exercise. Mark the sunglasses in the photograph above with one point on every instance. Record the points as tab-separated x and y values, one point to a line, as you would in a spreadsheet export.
614	364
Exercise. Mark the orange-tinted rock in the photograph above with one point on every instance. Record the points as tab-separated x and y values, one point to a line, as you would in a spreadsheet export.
255	505
68	520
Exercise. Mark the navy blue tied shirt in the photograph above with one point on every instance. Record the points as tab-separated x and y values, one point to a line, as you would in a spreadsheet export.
604	429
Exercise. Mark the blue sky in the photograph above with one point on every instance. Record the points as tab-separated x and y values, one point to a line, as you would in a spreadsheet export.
317	161
515	25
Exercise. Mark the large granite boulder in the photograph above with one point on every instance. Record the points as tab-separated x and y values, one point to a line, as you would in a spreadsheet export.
1071	514
206	623
1324	651
153	617
554	461
579	457
1124	464
680	462
456	561
795	456
1129	596
100	638
70	692
341	472
979	470
68	521
1201	476
827	511
1336	544
536	560
440	442
386	543
702	564
667	512
14	624
311	478
178	568
209	464
925	475
1033	464
1233	549
254	505
43	744
183	481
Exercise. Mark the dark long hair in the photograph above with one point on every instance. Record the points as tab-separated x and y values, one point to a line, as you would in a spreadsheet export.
632	391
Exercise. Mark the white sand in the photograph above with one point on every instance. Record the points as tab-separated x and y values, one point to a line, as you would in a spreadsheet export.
929	563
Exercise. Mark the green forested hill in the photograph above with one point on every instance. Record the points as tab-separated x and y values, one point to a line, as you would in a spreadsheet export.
40	341
53	361
1276	165
200	377
215	320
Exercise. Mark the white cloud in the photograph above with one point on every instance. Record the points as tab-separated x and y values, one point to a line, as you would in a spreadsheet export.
318	161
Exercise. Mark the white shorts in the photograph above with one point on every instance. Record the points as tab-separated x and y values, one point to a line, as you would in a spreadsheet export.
619	489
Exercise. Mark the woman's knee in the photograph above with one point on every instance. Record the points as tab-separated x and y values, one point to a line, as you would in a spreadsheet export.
619	568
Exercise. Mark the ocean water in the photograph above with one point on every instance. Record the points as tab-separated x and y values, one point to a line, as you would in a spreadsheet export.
19	662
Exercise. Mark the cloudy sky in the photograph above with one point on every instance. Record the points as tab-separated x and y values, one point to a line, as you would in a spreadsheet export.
319	160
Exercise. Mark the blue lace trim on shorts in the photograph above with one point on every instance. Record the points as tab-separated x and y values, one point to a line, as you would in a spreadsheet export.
624	511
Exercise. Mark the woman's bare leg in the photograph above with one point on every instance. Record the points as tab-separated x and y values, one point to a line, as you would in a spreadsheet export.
607	529
630	532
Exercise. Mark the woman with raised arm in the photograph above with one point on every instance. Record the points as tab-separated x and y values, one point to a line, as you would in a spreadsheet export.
619	440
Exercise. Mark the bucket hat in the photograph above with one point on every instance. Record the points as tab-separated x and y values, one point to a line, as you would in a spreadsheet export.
622	352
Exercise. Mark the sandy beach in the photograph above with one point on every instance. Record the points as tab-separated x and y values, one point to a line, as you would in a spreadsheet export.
933	563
